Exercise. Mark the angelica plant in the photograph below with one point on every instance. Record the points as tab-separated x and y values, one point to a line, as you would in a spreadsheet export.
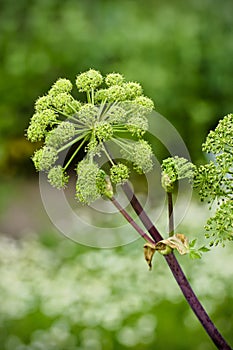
116	113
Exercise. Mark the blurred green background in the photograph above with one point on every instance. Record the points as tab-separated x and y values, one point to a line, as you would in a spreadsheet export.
56	294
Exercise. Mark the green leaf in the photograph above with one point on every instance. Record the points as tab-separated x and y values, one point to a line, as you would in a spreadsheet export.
194	255
192	243
203	249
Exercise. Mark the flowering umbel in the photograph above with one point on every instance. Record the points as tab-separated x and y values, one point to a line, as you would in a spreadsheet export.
214	181
115	111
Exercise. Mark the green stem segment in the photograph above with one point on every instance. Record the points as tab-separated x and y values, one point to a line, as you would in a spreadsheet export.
179	275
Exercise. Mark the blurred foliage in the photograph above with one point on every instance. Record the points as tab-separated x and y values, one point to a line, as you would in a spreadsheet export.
180	51
56	294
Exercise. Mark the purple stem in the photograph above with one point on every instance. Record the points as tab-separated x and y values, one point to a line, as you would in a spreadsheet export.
179	275
170	214
131	221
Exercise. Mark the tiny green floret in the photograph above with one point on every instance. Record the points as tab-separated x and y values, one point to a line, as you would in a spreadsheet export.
119	173
103	131
45	158
132	90
39	123
62	85
114	79
89	80
57	177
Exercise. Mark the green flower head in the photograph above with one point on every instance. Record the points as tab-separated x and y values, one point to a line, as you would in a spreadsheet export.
62	85
114	79
115	113
45	158
57	177
119	173
39	124
174	169
89	80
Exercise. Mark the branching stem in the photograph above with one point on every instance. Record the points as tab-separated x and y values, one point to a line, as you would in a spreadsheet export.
179	275
131	221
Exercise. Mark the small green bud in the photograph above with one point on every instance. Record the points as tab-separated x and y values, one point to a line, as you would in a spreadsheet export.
62	85
167	250
145	102
132	90
140	154
39	123
72	107
57	177
119	173
167	183
45	158
89	80
43	103
114	79
62	100
116	93
103	131
101	95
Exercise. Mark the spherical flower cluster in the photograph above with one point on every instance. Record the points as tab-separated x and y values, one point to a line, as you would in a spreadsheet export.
62	85
114	79
39	123
115	93
61	100
89	80
57	177
145	102
132	90
45	158
63	133
220	226
103	131
43	103
119	173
